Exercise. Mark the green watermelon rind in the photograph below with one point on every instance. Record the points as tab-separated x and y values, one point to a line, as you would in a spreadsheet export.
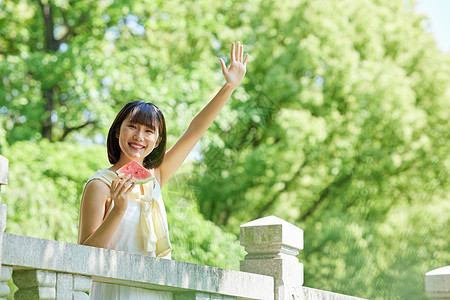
137	181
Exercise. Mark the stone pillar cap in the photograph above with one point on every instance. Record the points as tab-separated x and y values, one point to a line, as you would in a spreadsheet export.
271	230
438	280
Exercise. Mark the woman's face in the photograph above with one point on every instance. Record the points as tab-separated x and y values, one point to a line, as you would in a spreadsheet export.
136	141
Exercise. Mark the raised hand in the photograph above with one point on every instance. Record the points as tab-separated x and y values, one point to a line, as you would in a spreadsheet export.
236	71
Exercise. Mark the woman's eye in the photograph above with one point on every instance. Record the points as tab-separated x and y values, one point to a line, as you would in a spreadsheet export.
131	126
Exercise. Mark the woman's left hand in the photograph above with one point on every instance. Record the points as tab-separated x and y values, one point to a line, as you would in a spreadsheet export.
235	73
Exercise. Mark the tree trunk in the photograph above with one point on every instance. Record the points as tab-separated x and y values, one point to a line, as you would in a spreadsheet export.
51	45
47	126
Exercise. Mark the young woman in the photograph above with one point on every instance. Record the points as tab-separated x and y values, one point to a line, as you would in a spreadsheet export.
118	214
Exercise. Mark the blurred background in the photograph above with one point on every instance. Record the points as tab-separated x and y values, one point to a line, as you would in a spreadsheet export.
341	126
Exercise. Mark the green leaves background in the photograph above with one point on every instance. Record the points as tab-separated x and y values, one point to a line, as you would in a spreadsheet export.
341	126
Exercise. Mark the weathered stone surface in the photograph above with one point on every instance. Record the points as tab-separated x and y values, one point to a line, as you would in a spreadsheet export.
437	283
80	296
281	269
5	273
81	283
272	245
4	290
271	235
64	286
5	276
56	270
105	265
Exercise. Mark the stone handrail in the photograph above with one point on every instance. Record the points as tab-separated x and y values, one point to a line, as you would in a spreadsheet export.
437	283
43	269
32	257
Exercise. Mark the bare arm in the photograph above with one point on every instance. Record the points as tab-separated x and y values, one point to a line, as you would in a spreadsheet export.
176	155
94	230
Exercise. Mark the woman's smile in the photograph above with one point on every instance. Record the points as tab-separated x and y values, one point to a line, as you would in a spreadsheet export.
136	146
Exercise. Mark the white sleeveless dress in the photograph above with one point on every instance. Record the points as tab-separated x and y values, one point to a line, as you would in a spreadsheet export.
131	236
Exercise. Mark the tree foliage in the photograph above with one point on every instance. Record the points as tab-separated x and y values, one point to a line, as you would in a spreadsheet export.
341	126
46	182
69	66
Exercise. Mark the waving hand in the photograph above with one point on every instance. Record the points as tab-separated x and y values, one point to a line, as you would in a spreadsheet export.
236	71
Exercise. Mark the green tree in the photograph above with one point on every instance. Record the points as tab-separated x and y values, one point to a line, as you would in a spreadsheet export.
341	127
67	67
343	123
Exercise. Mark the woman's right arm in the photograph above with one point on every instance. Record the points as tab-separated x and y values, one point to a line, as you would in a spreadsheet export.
94	230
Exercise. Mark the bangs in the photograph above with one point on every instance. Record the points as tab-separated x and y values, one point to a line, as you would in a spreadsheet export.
145	114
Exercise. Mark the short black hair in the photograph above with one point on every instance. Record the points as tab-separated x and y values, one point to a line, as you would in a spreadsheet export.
144	113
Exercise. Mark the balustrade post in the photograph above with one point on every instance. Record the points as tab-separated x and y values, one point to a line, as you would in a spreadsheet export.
437	283
272	245
5	276
40	284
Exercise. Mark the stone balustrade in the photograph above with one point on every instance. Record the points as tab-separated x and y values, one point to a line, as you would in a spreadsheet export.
44	269
437	283
55	270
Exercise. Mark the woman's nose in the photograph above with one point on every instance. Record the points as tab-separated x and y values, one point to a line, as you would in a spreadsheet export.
139	135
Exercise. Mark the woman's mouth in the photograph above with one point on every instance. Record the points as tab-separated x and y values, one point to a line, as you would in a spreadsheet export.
135	146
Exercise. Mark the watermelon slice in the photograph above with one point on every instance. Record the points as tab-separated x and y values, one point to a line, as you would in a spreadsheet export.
138	173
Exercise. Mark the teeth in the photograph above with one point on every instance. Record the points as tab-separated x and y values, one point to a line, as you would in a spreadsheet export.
137	146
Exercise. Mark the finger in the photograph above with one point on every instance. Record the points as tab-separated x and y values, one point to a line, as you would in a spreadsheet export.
130	188
115	182
238	50
118	187
224	67
122	182
232	52
124	188
245	60
241	53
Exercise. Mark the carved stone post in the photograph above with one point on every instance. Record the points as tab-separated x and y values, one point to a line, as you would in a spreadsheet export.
5	276
40	284
272	245
437	283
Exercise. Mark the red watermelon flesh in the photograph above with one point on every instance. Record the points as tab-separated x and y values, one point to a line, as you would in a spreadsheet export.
138	173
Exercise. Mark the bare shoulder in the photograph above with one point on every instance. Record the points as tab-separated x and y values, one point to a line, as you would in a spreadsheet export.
97	184
96	190
94	203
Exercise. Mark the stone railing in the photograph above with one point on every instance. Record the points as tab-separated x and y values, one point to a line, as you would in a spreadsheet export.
43	269
437	283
